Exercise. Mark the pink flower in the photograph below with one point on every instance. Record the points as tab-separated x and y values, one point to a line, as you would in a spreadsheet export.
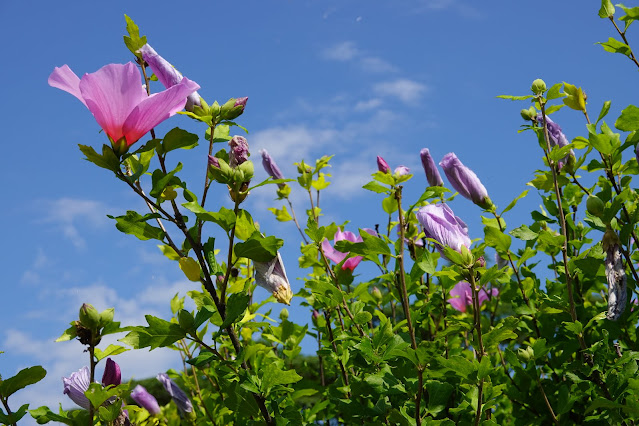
462	296
338	256
120	105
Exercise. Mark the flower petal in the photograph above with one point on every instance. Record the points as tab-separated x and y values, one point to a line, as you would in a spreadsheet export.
331	253
153	110
65	79
111	93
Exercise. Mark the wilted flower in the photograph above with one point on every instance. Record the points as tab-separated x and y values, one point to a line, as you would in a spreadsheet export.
402	171
465	181
270	166
462	296
441	224
556	137
432	174
239	151
112	375
616	276
337	256
167	74
272	276
75	386
382	165
177	394
147	401
118	102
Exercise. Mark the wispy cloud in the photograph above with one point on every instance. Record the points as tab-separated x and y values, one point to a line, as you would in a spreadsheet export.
408	91
347	51
463	8
66	213
32	275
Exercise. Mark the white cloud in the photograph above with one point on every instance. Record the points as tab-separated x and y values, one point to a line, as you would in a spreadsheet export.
66	213
368	105
346	51
462	8
343	52
408	91
32	275
288	144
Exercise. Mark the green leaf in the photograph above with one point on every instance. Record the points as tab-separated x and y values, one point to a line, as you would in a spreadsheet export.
362	317
161	180
607	10
606	106
44	415
98	395
109	162
203	358
133	41
273	375
244	225
515	98
176	139
225	218
281	215
258	248
14	417
134	224
22	379
159	333
502	331
458	364
69	333
497	239
574	327
575	98
235	307
111	350
514	202
615	46
316	234
376	187
524	233
555	92
438	395
389	204
629	119
169	252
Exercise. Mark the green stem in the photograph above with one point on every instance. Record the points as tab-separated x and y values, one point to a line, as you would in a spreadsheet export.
479	351
5	402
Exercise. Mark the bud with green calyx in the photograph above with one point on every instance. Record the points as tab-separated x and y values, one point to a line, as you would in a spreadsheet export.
595	206
284	314
233	108
538	86
467	256
89	317
106	317
284	191
528	114
377	294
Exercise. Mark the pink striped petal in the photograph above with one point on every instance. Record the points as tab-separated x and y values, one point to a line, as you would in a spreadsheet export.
157	108
64	79
111	94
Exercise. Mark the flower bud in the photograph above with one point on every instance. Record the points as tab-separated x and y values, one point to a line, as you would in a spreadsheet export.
377	294
595	206
528	114
147	401
213	161
538	86
271	167
465	181
315	316
106	317
89	316
467	256
239	151
112	375
401	171
233	108
382	165
432	174
284	314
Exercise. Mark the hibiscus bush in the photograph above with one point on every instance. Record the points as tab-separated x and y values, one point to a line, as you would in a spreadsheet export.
531	324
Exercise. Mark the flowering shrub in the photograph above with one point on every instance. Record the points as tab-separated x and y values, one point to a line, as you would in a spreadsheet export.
440	336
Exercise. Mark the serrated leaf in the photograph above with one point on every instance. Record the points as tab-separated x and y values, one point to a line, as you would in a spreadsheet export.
497	239
281	215
629	119
376	187
524	233
111	350
362	317
106	162
258	248
273	375
236	305
159	333
134	224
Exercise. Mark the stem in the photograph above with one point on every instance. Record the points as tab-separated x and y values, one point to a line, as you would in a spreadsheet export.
5	402
92	375
405	302
327	315
625	40
321	359
197	384
310	196
290	204
207	184
543	393
516	271
479	352
229	262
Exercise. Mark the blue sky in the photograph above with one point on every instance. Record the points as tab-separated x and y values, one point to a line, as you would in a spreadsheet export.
352	78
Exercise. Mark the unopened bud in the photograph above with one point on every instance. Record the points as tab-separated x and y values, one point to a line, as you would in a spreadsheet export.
595	206
284	314
528	114
538	86
467	256
377	294
89	316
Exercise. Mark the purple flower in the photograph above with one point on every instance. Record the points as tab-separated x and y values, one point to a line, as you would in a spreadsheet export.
239	151
118	102
272	276
462	296
402	171
432	174
167	74
241	102
382	165
177	394
112	375
145	400
270	166
441	224
556	137
75	386
465	181
337	256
